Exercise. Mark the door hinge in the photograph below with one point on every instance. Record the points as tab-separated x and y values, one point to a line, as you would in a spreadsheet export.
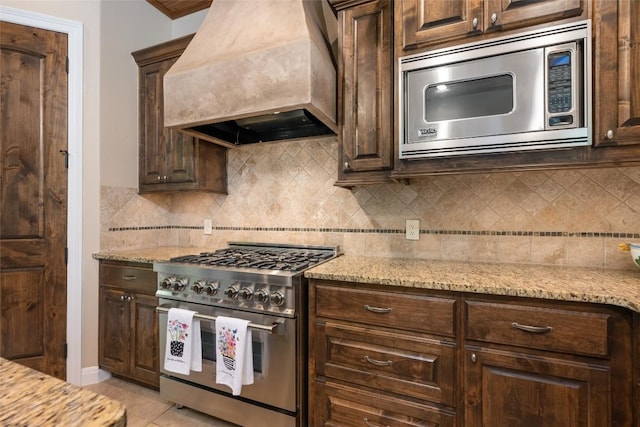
66	256
66	64
65	350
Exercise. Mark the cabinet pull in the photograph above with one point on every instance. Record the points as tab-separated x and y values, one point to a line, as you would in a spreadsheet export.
378	362
380	310
370	424
122	297
129	278
532	329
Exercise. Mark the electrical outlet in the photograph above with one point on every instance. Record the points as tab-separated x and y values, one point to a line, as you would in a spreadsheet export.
413	229
208	226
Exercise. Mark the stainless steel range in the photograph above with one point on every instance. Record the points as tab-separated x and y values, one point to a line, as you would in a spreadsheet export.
262	283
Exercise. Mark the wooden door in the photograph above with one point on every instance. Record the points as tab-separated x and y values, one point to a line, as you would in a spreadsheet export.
144	338
115	327
33	196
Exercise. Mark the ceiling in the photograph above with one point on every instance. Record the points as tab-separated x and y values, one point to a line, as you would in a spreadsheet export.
179	8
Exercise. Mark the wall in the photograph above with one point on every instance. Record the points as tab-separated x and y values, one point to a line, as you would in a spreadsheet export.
284	192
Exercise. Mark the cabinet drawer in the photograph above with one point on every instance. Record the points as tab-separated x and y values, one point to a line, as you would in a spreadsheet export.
340	405
410	365
537	327
392	309
135	278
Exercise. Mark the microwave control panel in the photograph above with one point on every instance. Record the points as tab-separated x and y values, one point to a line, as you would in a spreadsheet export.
561	84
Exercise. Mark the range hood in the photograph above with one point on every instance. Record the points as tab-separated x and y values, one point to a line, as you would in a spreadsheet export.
256	71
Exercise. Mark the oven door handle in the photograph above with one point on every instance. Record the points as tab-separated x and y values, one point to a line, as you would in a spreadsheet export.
262	328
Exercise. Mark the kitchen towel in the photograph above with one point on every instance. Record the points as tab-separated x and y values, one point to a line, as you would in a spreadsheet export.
234	353
183	351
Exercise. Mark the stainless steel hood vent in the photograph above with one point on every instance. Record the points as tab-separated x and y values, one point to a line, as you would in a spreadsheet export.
256	71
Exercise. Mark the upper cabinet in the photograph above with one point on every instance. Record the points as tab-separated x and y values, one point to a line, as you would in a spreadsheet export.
616	101
430	22
365	91
171	160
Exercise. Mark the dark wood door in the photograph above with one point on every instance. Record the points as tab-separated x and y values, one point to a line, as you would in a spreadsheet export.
144	345
33	196
510	389
115	328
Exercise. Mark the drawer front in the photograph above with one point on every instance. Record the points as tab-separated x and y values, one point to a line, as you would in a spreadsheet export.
133	278
407	365
537	327
340	405
391	309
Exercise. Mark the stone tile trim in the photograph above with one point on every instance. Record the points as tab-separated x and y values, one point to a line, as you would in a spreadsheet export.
390	231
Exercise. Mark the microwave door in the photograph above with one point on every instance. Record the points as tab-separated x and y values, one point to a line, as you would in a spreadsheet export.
474	99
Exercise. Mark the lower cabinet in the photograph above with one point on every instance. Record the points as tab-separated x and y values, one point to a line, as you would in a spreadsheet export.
467	360
128	341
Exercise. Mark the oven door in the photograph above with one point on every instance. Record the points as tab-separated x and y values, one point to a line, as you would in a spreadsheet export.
274	354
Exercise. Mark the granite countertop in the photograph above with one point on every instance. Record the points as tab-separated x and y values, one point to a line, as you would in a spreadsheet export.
149	255
31	398
604	286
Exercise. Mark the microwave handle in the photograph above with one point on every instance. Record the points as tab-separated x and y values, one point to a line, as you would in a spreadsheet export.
263	328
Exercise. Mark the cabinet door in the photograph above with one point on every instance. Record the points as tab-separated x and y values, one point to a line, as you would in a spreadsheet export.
144	338
510	389
616	100
509	14
152	148
366	78
115	324
429	22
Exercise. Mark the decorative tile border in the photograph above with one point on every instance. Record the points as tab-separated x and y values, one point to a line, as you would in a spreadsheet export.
389	231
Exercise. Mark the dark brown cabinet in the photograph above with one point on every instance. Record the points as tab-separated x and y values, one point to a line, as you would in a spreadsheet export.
381	355
427	23
617	72
128	322
365	91
171	160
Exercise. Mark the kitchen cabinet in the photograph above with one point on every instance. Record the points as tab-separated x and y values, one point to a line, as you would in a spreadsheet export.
428	23
128	323
378	358
365	91
171	160
384	355
616	27
536	363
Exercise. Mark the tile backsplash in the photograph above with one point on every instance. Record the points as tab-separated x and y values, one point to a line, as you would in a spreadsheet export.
284	192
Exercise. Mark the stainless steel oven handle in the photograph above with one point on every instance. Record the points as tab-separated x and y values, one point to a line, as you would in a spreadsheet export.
263	328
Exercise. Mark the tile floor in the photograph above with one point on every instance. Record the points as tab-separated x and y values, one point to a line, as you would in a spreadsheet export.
145	407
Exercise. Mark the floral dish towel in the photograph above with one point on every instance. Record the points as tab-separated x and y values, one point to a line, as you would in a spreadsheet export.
183	351
234	353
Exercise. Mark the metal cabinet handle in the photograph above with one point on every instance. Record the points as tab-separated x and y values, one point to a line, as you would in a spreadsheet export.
474	358
474	22
122	297
370	424
131	298
532	329
346	165
129	278
494	18
379	310
609	134
378	362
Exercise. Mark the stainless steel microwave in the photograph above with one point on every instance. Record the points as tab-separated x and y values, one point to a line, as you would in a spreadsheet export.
528	91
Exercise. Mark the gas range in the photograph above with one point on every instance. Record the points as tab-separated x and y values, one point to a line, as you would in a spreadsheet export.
256	277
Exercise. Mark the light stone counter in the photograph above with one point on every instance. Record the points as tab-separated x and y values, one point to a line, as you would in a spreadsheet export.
31	398
615	287
149	255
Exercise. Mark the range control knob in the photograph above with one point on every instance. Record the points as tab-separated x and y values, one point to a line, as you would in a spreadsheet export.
262	296
167	282
246	294
212	288
276	298
180	284
198	287
231	292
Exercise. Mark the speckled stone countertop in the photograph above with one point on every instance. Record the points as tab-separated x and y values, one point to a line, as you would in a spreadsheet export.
31	398
149	255
615	287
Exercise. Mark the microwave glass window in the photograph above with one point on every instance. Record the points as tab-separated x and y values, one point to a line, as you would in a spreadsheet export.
488	96
559	99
